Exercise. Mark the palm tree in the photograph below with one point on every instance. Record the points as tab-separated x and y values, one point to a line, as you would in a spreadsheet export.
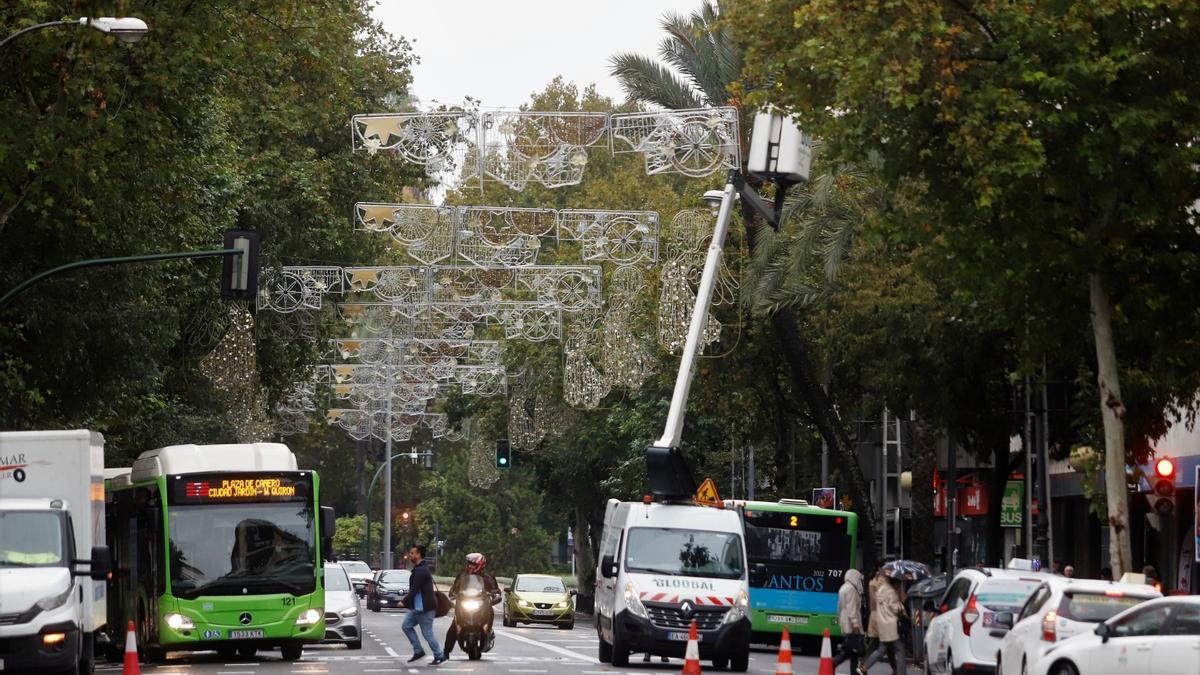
701	63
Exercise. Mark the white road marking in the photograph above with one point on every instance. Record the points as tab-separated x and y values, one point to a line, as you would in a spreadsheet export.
392	653
520	670
383	670
554	648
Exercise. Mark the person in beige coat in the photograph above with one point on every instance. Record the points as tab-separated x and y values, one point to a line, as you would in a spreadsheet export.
886	619
850	598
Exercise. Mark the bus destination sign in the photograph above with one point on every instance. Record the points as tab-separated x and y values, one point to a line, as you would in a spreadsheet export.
209	489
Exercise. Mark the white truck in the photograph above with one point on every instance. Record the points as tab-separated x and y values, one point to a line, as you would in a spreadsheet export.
51	524
663	566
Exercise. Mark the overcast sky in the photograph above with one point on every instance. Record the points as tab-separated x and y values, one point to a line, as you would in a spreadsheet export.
501	51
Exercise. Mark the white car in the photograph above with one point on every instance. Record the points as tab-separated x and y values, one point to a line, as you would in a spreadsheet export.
360	573
964	636
1062	608
343	613
1160	636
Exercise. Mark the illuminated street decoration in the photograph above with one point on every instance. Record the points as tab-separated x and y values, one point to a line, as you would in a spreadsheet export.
583	384
481	469
428	233
550	148
622	237
697	142
528	412
623	355
232	367
686	244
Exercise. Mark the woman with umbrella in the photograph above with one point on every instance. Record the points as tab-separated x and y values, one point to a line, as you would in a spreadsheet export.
888	611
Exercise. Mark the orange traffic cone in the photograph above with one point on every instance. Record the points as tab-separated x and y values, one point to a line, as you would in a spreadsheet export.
691	658
131	659
783	665
826	665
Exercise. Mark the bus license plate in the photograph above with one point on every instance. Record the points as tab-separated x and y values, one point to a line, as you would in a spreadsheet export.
683	637
779	618
244	634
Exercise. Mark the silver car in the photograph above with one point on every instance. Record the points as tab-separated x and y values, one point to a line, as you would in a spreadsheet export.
343	615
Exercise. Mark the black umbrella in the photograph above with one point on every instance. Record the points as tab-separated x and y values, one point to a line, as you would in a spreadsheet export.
906	570
929	588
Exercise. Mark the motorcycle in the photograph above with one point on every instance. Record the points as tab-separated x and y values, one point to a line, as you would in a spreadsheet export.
473	618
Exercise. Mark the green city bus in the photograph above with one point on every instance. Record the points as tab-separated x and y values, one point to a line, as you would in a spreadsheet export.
798	555
217	547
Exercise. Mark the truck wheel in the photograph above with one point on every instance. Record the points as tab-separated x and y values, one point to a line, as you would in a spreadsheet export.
740	663
291	651
605	654
720	663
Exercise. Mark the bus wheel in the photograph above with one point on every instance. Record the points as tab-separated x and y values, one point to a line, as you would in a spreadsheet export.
155	654
227	651
247	652
291	651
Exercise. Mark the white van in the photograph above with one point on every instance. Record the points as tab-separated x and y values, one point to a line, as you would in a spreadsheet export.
52	613
663	566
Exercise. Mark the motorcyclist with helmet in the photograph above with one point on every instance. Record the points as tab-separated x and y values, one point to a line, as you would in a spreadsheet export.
474	567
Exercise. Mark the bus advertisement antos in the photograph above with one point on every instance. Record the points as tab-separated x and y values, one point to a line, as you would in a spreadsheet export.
798	556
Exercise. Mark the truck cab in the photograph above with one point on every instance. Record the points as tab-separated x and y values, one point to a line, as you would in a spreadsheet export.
663	566
51	611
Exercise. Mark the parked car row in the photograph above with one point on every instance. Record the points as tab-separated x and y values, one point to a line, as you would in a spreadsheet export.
1022	622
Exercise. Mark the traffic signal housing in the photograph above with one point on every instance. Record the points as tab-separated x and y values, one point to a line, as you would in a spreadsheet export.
503	455
239	273
1162	487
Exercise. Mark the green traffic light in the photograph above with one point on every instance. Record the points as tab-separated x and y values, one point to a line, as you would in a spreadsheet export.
503	461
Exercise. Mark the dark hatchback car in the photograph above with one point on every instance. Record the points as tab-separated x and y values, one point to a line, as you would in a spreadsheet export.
386	589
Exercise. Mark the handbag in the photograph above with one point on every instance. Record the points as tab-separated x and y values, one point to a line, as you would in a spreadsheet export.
904	627
443	604
855	644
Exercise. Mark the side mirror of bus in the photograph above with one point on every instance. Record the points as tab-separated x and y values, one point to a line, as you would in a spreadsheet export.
608	567
328	527
100	563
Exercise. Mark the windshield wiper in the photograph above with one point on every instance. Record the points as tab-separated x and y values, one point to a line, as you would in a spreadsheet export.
653	570
16	563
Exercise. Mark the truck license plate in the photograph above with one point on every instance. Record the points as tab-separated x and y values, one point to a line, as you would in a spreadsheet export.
779	618
683	637
244	634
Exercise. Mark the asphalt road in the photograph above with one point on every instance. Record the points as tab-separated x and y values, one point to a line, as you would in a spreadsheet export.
525	649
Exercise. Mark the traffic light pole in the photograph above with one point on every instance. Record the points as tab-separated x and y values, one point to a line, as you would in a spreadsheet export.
374	479
106	262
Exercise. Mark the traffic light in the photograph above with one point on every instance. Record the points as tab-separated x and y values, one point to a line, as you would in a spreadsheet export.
239	273
1162	487
503	455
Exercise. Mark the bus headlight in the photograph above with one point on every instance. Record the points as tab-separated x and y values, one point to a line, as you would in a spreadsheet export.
741	607
308	617
349	611
179	622
634	603
55	601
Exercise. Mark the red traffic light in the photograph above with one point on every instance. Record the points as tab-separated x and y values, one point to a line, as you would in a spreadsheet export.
1165	467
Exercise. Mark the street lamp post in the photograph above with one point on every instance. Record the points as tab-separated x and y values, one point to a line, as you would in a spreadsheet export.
126	29
782	154
387	507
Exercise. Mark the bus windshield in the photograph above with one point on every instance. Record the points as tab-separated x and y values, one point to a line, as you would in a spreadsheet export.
219	549
689	553
31	539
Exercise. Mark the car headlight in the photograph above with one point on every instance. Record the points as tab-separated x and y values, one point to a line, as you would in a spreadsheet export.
308	617
522	603
349	611
179	622
471	605
55	601
740	608
634	603
562	605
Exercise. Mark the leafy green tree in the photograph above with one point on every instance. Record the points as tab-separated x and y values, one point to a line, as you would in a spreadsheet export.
1057	141
351	534
227	114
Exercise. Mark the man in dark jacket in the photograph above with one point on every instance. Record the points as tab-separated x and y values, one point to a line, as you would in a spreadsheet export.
421	602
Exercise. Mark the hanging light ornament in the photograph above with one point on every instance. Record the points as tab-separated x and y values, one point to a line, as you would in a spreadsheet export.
482	471
232	368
